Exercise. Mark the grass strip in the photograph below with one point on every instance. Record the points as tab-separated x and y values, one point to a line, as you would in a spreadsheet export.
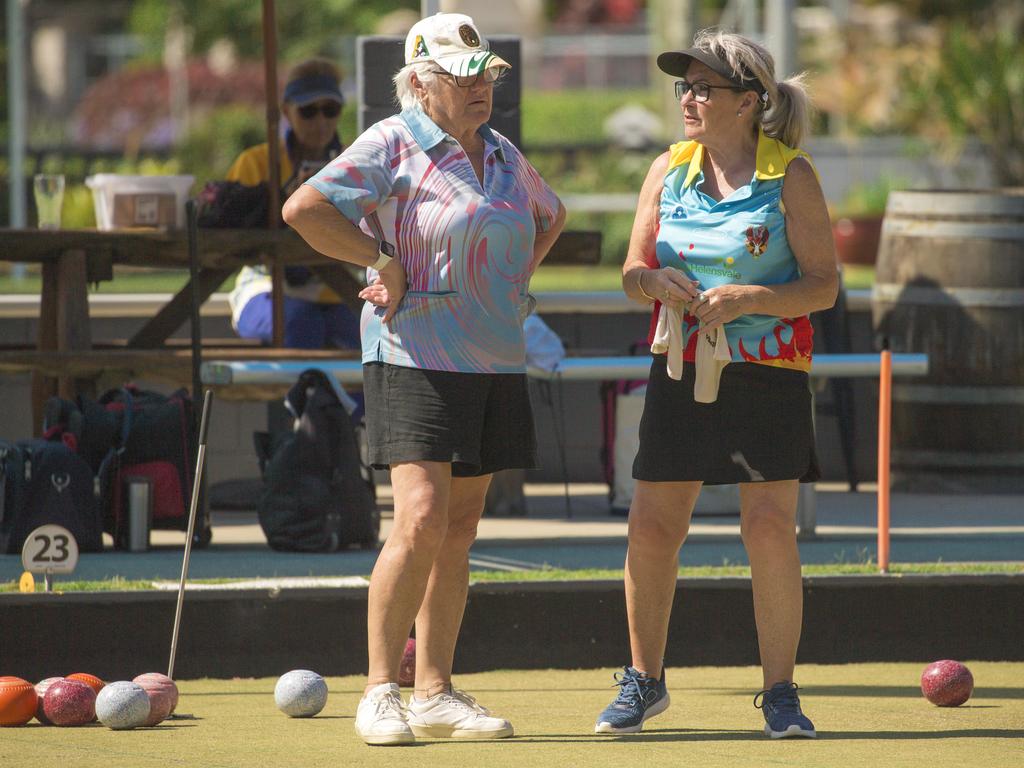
118	584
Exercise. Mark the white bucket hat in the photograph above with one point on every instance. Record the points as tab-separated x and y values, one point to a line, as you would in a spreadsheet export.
452	41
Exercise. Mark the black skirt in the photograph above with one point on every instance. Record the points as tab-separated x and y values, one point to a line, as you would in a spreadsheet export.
759	430
480	422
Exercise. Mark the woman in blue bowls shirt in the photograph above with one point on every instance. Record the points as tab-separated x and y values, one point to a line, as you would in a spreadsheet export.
732	246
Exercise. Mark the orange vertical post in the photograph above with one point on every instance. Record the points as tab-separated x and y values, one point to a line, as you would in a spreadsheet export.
884	443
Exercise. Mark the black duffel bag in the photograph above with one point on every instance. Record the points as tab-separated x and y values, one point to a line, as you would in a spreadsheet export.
43	482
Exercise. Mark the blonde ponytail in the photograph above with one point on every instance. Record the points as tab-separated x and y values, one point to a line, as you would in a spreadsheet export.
787	115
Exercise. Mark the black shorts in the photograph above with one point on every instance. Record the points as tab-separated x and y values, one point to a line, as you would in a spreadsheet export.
759	429
479	422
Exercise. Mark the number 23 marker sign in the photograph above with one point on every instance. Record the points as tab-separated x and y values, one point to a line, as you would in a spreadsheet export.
50	549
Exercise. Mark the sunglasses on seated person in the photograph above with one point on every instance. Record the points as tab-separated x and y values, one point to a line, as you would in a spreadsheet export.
491	75
329	109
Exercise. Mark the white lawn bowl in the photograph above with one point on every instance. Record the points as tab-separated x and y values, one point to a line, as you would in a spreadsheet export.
122	705
300	693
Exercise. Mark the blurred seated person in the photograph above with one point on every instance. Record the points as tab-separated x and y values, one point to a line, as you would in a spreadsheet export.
314	315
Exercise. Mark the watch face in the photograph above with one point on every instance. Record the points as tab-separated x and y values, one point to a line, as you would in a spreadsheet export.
387	248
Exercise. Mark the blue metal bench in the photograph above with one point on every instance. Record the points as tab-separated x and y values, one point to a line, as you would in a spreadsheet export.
227	373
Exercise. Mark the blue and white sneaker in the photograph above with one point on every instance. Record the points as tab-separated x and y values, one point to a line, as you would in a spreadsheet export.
783	718
640	698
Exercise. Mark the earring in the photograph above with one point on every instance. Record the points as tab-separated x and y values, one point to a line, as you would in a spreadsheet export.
739	114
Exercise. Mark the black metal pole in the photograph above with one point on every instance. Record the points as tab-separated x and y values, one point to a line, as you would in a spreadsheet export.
196	328
198	421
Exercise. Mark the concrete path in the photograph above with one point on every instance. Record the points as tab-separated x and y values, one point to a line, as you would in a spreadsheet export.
925	528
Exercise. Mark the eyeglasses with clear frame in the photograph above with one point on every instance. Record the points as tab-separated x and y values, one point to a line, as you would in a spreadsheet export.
491	75
701	91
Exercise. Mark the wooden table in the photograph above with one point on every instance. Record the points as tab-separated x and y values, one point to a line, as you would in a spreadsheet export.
65	362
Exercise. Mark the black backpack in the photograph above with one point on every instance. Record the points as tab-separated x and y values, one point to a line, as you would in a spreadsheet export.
318	495
233	204
44	482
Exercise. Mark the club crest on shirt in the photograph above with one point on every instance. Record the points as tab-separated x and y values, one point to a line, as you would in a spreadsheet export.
757	240
469	36
419	48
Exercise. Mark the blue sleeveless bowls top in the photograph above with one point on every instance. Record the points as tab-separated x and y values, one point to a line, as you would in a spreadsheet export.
740	240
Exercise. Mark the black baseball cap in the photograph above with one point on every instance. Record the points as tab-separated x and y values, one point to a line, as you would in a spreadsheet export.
676	62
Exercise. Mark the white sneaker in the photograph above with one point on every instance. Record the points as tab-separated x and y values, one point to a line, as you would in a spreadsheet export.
380	718
455	715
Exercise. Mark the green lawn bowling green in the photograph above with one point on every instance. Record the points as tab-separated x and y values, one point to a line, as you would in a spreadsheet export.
866	714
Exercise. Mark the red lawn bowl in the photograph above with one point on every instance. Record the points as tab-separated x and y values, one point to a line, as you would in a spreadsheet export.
41	687
163	695
407	670
70	703
947	683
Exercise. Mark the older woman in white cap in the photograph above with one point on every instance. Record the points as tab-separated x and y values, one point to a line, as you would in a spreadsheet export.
451	221
732	246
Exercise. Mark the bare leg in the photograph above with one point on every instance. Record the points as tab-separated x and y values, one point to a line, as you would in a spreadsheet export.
440	615
659	519
399	580
768	527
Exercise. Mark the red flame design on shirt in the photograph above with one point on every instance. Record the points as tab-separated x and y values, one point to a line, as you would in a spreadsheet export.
799	346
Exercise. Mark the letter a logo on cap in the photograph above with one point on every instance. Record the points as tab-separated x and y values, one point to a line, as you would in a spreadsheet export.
419	48
469	36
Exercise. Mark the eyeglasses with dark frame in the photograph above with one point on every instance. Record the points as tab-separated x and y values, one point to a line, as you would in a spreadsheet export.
491	75
701	91
330	110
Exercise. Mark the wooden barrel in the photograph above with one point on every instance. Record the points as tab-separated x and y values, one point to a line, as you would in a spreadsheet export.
950	282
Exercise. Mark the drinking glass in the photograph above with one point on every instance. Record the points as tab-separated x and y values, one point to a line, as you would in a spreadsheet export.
49	193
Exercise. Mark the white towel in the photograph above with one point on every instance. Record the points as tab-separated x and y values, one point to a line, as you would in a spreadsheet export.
668	338
711	358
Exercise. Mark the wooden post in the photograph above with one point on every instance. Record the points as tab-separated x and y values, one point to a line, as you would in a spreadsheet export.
274	147
44	387
73	331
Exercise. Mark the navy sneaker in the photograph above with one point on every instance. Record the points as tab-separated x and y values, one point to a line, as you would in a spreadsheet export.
780	706
640	698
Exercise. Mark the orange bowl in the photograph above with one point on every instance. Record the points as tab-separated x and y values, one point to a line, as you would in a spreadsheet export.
92	681
17	701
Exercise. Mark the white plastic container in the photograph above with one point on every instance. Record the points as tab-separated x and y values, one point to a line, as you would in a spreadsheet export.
128	202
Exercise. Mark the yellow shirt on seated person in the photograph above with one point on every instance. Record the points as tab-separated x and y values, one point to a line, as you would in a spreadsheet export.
252	167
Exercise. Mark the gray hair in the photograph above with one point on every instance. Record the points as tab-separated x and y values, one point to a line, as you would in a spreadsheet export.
405	94
787	114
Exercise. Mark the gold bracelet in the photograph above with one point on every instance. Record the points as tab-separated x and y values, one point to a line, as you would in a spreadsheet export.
640	285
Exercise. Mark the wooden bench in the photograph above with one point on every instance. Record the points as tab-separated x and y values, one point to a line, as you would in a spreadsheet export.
171	366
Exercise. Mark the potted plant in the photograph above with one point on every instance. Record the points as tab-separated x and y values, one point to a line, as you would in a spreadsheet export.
857	225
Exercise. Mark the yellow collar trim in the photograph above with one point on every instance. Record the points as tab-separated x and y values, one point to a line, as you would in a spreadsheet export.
773	157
